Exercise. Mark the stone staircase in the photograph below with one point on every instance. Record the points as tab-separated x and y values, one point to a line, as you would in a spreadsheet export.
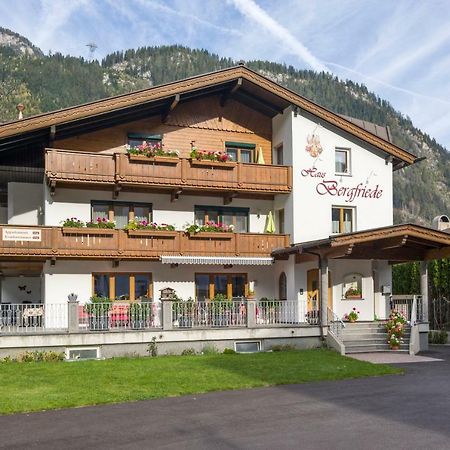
367	337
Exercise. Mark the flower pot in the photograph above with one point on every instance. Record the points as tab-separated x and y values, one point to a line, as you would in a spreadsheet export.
153	234
208	163
395	347
353	297
88	231
211	235
352	320
154	159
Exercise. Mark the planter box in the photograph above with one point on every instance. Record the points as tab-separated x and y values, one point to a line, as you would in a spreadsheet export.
155	159
211	235
153	234
207	163
89	231
353	297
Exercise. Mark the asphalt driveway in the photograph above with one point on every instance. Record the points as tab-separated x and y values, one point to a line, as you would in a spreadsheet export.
401	412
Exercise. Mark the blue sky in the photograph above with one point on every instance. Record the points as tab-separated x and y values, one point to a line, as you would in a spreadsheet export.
399	48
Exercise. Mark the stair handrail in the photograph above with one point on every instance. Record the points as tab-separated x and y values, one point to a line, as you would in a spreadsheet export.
335	324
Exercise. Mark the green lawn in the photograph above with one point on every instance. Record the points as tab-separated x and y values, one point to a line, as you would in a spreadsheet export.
38	386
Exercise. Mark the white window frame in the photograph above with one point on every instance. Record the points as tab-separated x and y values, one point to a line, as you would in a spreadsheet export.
69	349
349	161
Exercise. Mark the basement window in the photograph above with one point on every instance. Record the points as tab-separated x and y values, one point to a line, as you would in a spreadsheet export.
78	354
247	346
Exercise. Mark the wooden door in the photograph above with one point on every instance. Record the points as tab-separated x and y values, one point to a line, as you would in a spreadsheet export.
313	294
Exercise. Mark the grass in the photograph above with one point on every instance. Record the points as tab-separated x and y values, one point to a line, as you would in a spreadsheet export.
39	386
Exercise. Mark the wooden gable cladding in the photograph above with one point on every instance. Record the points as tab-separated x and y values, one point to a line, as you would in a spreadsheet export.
203	121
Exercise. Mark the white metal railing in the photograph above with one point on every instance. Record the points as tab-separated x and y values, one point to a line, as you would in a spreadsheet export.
36	317
284	312
335	325
404	305
209	314
119	316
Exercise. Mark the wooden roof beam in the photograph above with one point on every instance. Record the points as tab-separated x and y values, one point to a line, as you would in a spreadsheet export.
165	115
229	92
257	102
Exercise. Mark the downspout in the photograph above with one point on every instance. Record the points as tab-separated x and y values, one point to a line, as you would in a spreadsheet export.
322	338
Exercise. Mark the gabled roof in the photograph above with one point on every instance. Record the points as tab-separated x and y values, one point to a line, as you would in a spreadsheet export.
405	242
239	81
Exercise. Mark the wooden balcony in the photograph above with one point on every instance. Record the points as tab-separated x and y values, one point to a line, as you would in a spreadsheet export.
41	243
122	171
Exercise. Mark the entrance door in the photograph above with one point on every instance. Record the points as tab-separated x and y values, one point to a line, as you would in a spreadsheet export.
313	295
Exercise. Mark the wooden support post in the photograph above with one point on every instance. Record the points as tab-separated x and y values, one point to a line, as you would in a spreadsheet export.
165	115
229	198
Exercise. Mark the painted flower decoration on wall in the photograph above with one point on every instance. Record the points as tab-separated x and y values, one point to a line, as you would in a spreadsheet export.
313	147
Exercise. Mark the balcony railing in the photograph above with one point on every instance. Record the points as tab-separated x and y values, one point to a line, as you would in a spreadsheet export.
58	242
122	170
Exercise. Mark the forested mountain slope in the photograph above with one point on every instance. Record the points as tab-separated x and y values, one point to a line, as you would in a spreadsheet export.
48	82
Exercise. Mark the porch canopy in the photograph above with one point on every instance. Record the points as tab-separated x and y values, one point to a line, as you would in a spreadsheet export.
396	243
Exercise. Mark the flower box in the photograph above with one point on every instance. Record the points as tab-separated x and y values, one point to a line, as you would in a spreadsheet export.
209	163
153	233
154	159
211	235
88	231
353	297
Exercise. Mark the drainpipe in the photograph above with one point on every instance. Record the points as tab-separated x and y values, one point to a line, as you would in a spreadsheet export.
319	256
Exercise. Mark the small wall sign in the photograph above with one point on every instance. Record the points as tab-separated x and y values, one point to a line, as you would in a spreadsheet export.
21	235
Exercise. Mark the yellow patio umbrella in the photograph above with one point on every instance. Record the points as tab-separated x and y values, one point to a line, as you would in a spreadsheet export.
270	223
260	157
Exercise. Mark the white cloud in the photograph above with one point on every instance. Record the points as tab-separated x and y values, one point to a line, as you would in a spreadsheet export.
253	11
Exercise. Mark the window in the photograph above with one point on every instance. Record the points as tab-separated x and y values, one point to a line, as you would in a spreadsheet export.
240	151
120	212
135	139
281	228
122	286
342	220
207	285
279	155
342	161
238	217
352	286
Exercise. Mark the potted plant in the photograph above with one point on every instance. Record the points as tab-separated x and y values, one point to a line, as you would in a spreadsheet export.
98	313
211	158
102	223
148	152
395	327
210	230
352	316
353	293
146	228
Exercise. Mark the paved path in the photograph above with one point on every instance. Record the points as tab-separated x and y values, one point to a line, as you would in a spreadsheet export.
401	412
393	358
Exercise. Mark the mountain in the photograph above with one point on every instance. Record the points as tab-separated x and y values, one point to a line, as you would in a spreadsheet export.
49	82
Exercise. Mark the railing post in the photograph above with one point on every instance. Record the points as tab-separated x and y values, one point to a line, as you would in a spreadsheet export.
167	315
323	291
251	313
73	315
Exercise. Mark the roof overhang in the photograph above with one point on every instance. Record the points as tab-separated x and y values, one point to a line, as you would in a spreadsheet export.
217	260
239	82
397	243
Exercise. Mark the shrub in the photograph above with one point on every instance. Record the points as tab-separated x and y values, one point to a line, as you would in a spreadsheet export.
153	347
229	351
38	356
188	352
209	349
438	337
283	348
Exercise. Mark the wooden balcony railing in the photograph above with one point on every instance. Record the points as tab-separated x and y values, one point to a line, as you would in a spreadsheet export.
122	170
76	243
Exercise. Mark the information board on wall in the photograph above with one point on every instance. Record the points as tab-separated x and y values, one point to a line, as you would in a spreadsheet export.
21	234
